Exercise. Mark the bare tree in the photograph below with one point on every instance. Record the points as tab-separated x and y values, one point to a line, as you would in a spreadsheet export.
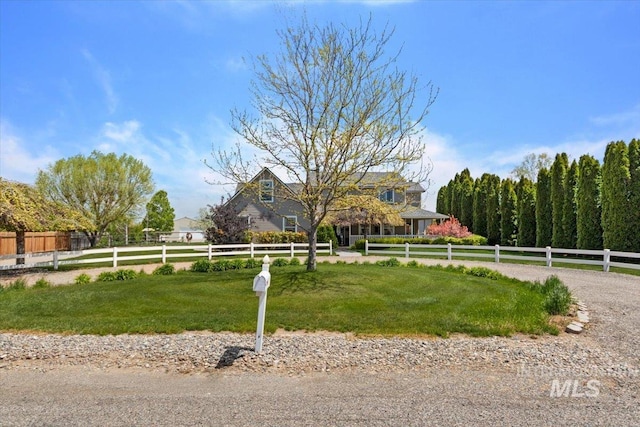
331	106
531	165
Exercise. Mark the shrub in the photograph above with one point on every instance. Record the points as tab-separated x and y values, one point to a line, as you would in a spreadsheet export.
391	262
473	239
557	296
277	237
280	262
327	234
252	263
236	264
201	266
413	263
294	261
449	228
220	265
17	284
165	270
111	276
83	279
42	283
484	272
126	275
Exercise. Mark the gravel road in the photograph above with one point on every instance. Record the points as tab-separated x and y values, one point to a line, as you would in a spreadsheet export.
337	379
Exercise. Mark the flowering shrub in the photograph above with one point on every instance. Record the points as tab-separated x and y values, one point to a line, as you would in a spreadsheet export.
449	228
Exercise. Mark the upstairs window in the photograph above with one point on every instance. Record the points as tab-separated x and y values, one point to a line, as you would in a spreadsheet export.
387	196
266	190
290	223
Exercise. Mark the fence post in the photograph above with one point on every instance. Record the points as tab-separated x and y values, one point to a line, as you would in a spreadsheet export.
251	249
55	259
497	256
406	249
164	254
449	254
115	256
330	247
606	262
292	250
548	256
366	247
210	251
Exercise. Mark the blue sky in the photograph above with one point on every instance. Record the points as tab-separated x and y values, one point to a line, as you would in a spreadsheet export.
157	80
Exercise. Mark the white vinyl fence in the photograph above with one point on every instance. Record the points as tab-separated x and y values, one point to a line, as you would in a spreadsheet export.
605	257
161	253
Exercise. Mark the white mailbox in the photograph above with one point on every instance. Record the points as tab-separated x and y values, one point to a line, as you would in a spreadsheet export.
261	282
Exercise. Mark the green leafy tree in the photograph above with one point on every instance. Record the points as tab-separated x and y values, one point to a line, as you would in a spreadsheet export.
588	209
543	209
531	165
331	106
160	214
569	209
616	212
23	209
456	196
104	188
493	209
526	213
558	172
508	213
634	193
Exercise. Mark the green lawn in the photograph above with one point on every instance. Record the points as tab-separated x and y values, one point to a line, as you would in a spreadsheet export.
363	299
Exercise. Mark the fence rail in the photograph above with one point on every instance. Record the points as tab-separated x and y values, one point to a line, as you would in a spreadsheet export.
164	253
497	253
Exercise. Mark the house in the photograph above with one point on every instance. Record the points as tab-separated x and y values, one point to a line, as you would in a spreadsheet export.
269	204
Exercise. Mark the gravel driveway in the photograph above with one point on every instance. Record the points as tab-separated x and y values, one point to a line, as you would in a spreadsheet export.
336	379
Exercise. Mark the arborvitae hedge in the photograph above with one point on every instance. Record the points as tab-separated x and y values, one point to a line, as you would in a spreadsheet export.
558	171
508	213
526	213
493	209
569	226
616	212
543	209
588	210
634	193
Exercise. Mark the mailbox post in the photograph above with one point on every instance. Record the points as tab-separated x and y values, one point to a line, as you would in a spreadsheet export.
260	286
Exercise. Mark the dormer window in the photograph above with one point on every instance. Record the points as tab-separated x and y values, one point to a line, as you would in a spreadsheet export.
266	190
387	196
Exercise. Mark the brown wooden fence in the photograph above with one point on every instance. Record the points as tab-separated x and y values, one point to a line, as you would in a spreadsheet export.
36	242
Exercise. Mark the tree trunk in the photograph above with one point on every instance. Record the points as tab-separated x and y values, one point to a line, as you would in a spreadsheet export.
313	249
20	246
93	237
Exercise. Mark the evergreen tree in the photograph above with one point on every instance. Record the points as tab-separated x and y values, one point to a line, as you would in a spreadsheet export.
441	201
480	205
543	209
454	209
634	193
526	213
493	209
588	209
508	213
558	172
616	212
466	199
569	224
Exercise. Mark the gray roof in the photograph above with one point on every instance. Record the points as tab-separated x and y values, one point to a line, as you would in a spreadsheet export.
414	212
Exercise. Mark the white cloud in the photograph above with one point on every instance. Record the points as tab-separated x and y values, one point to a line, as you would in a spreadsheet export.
17	162
103	77
235	64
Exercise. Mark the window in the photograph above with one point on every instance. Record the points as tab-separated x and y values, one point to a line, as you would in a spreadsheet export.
290	223
266	190
387	196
